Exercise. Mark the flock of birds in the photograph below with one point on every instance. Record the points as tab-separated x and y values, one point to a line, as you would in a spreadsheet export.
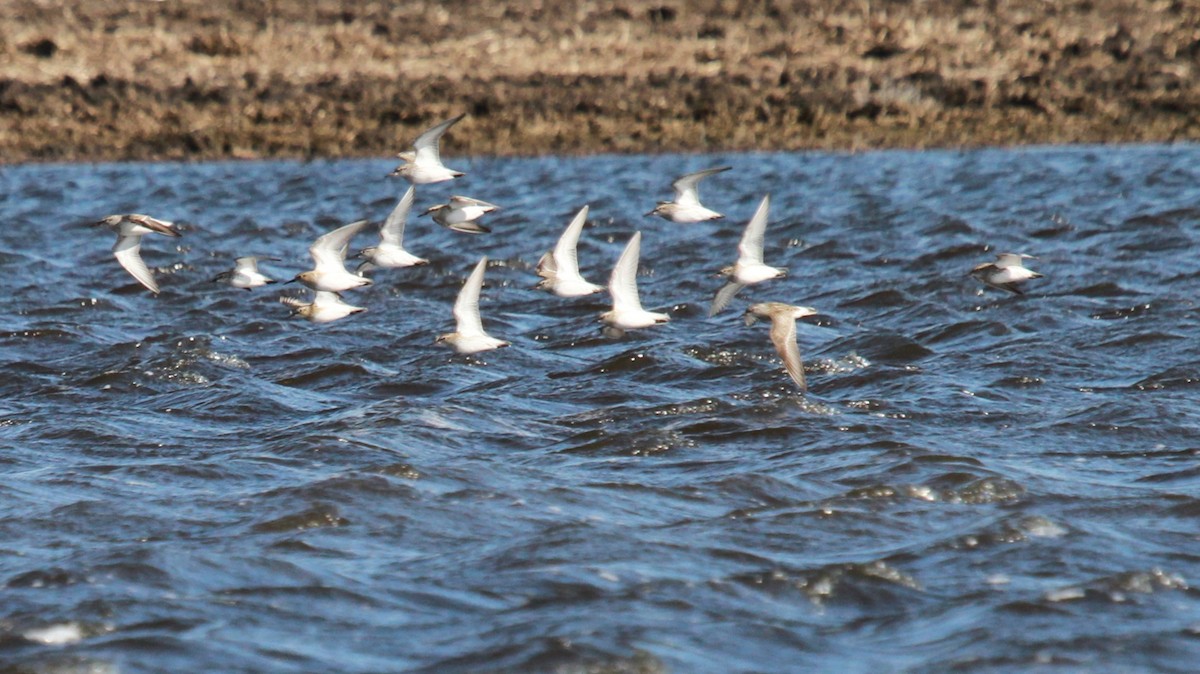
558	268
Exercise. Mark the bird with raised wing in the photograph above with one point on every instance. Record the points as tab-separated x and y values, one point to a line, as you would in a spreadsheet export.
329	256
749	268
559	268
469	336
627	312
686	206
390	252
423	164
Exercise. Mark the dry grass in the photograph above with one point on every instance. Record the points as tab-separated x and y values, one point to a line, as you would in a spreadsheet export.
184	78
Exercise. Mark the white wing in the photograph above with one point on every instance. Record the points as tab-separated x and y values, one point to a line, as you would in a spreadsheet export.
466	308
324	298
245	265
686	192
783	334
724	297
750	250
622	284
329	250
392	231
566	262
128	253
1010	260
426	144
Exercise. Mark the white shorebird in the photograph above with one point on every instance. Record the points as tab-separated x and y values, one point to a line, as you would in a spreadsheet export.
627	312
325	307
783	334
245	273
469	336
749	268
1008	272
130	229
686	207
423	164
329	253
461	213
390	251
559	268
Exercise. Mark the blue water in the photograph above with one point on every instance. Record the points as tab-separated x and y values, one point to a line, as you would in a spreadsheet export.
975	481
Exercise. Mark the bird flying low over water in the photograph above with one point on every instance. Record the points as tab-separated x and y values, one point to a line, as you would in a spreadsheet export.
461	213
329	255
469	336
783	334
559	268
423	164
1008	272
325	307
130	229
627	312
390	251
686	206
245	273
749	268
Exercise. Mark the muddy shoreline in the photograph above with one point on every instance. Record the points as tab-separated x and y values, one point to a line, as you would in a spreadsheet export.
188	80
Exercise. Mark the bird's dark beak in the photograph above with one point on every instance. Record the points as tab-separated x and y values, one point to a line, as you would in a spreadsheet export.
294	279
652	212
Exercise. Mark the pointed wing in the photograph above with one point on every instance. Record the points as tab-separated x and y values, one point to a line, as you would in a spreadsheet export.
293	302
723	297
783	335
426	144
160	226
565	255
622	284
325	298
247	264
546	268
128	252
463	202
329	250
466	308
392	231
1009	260
750	250
686	192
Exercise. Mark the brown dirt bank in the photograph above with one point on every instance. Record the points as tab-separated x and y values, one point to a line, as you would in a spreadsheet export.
186	79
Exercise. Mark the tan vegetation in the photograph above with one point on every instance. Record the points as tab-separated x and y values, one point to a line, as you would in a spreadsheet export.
114	79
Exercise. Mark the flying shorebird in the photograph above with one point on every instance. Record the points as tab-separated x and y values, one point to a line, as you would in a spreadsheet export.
1008	272
390	251
325	307
461	213
749	268
469	336
559	268
783	334
686	206
627	312
423	164
245	273
329	255
130	229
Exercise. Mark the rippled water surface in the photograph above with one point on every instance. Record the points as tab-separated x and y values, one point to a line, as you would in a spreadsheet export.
976	481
